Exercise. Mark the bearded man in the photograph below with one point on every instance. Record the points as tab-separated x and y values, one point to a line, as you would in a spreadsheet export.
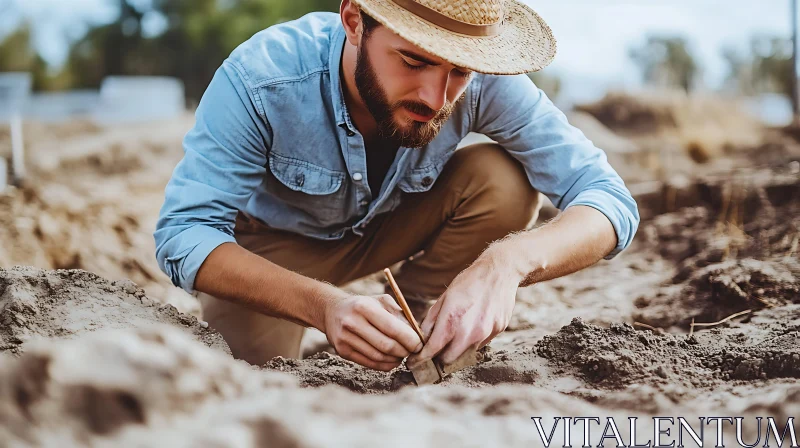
325	149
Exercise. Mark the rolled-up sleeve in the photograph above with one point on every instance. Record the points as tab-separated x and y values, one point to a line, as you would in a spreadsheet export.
224	161
558	158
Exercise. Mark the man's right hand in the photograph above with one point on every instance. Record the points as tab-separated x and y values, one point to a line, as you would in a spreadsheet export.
371	331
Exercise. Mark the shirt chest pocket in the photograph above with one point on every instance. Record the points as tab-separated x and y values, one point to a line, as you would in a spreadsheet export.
419	180
306	187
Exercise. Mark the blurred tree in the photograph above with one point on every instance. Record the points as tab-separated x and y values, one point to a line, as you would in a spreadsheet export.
665	61
201	33
114	49
198	35
766	67
17	54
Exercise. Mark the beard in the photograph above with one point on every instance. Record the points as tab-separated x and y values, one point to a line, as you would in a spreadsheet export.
409	133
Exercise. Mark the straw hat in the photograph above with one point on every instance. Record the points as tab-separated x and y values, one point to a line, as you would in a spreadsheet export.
499	37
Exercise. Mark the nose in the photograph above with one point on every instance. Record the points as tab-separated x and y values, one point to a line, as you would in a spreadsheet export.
434	91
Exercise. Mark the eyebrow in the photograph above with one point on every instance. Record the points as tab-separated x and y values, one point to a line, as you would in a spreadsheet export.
423	59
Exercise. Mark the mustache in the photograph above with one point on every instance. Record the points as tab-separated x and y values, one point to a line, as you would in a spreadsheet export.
422	109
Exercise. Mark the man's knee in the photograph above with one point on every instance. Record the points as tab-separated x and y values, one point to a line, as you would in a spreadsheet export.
500	185
251	336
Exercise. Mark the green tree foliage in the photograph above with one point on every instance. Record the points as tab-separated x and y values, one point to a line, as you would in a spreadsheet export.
666	61
18	55
765	67
198	36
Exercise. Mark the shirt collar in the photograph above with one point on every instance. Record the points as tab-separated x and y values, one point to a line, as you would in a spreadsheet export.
337	38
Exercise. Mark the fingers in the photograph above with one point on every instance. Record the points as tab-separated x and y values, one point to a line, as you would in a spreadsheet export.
391	328
363	347
441	335
486	341
359	358
380	341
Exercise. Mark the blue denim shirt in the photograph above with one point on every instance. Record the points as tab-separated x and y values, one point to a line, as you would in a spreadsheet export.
273	138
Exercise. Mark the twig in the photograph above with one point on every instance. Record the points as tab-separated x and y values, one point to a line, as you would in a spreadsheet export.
767	304
691	328
711	324
649	327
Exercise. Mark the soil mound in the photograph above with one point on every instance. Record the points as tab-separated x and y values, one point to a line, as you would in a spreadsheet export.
677	133
36	303
653	112
766	347
324	368
738	251
121	384
157	387
60	219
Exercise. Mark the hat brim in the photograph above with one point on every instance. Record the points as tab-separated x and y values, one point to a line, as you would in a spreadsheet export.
525	44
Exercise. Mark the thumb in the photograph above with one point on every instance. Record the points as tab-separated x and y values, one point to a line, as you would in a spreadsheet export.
439	338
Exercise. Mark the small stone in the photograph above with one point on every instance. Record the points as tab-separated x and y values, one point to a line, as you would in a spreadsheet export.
127	285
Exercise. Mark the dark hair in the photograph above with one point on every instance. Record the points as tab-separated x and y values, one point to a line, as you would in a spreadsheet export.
368	24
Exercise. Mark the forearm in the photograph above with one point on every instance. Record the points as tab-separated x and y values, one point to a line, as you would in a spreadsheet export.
576	239
233	273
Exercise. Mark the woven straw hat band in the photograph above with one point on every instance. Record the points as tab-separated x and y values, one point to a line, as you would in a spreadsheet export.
441	13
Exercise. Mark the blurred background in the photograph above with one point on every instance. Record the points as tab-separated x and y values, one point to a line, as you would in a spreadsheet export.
96	95
739	47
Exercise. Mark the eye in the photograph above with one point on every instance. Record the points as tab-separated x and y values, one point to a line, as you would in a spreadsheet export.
411	66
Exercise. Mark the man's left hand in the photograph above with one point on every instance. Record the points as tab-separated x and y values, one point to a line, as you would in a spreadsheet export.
475	308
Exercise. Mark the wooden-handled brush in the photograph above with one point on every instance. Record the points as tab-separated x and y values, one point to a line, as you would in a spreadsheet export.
433	370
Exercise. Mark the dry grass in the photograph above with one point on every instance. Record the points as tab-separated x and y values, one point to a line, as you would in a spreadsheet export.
719	322
702	127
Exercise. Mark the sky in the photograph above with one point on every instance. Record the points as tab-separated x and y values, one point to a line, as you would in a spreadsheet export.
594	36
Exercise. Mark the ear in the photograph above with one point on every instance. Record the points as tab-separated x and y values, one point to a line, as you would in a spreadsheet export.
351	20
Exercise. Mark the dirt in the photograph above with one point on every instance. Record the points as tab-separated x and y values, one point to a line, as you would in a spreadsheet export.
606	332
91	202
730	255
621	355
94	358
157	387
765	346
68	304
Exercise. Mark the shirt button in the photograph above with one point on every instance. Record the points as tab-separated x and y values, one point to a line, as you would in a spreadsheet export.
427	180
350	133
357	177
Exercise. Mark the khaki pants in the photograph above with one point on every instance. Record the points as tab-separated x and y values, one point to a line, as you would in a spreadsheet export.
481	196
